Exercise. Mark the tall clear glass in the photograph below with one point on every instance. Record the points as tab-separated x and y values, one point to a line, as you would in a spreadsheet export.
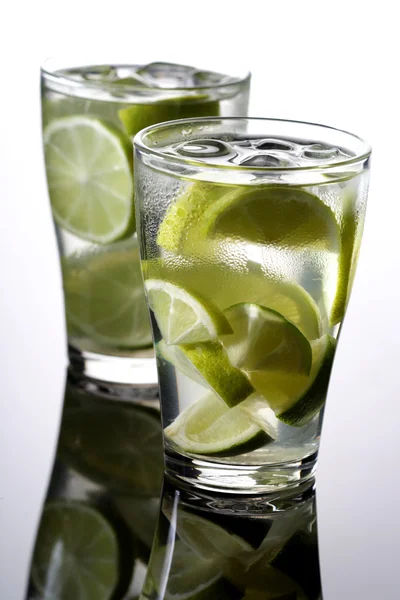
91	111
249	234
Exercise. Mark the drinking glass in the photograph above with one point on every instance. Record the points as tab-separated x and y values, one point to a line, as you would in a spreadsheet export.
249	233
91	110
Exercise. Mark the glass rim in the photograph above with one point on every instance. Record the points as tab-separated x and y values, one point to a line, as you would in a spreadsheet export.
63	79
139	143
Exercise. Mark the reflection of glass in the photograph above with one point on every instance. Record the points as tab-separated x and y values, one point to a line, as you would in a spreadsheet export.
205	547
250	231
100	513
90	114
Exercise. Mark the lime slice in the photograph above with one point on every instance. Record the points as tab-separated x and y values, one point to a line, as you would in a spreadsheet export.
208	362
115	444
281	215
180	574
209	426
139	116
184	318
224	286
347	258
264	340
76	553
89	176
105	299
178	229
294	398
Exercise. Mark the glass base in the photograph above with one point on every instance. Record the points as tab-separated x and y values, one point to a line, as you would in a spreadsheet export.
240	479
124	377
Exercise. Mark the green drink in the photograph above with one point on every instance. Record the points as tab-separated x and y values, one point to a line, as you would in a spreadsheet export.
248	256
90	115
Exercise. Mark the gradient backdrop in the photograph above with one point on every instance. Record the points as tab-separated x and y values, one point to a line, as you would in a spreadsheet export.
334	63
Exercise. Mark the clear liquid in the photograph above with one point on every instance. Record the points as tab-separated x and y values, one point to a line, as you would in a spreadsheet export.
243	252
104	301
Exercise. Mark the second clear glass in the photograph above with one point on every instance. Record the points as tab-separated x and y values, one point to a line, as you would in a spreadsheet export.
91	110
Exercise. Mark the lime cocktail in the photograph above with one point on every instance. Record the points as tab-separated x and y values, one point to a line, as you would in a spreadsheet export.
90	113
250	231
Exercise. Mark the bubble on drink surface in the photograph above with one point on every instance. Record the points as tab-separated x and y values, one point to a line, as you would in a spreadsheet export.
166	75
274	144
205	148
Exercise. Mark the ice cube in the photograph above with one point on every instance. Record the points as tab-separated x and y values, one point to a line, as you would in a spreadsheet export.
273	144
166	75
320	152
98	73
205	78
263	160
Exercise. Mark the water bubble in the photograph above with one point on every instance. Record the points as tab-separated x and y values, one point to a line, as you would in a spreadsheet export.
273	144
204	149
263	160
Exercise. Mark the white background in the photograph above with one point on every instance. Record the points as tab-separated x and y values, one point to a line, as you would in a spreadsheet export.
325	62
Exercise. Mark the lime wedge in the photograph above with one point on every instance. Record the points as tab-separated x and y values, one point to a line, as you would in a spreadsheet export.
76	553
209	364
209	426
294	398
89	176
115	444
139	116
264	340
286	216
183	317
104	297
224	286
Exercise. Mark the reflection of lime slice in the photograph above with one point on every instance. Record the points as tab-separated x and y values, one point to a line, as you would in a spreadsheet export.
299	560
264	340
296	399
89	176
186	576
282	215
139	116
184	318
225	286
140	514
76	553
105	299
209	540
209	363
116	444
209	427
